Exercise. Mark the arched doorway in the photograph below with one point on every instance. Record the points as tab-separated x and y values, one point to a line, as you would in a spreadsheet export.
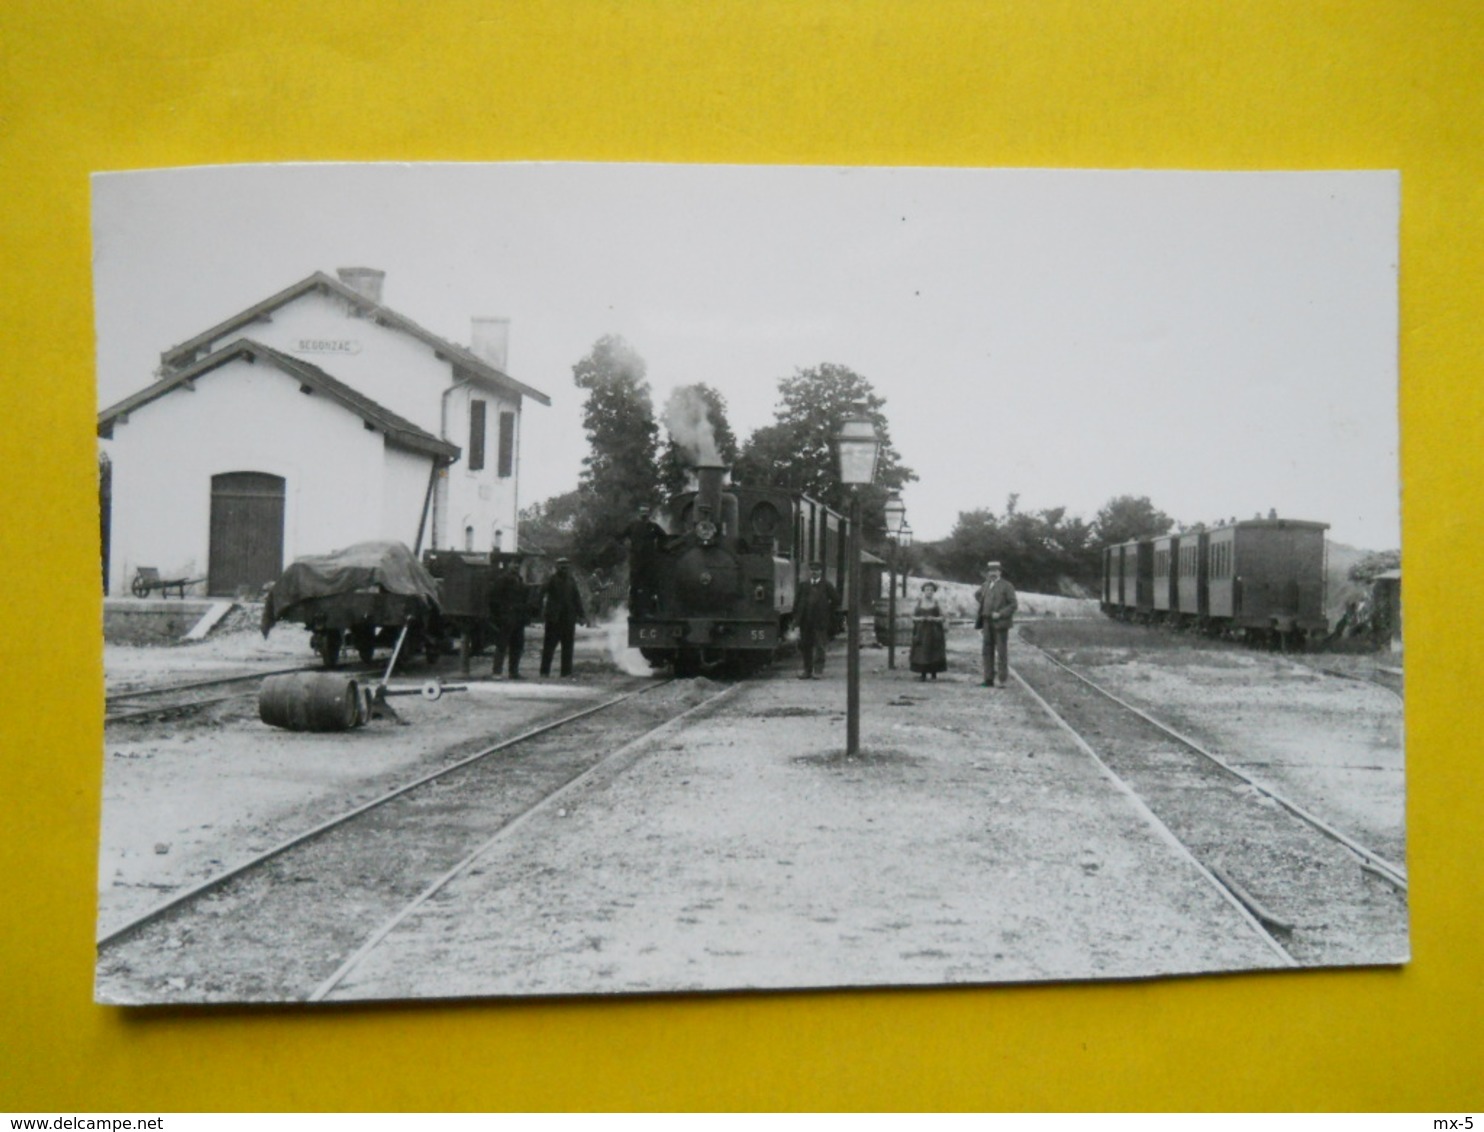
246	551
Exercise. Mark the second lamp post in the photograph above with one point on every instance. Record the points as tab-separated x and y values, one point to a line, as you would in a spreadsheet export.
899	534
857	446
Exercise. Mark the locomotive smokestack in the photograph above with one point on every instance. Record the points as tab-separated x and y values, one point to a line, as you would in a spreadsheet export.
708	495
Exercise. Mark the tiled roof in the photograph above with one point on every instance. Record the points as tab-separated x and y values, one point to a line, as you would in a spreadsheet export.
185	353
397	429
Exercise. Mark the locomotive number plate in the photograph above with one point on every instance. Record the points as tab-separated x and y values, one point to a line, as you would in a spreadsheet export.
650	634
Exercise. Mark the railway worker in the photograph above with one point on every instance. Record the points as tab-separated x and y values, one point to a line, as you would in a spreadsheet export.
814	610
561	608
644	537
510	604
997	606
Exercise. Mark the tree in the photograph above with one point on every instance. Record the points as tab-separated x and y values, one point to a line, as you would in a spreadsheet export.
1043	551
1126	517
1374	563
796	450
698	433
621	471
551	525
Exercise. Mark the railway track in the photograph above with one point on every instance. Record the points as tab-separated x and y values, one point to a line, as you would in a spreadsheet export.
1310	890
166	700
192	695
277	925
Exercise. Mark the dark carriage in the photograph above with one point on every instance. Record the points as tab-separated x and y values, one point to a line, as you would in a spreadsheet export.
1265	579
365	595
464	578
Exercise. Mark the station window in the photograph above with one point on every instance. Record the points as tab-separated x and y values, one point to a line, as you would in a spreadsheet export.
476	435
507	445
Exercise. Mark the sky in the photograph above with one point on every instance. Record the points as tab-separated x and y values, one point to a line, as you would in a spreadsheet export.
1223	343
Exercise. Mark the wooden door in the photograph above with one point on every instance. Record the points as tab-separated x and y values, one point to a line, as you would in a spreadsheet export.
246	550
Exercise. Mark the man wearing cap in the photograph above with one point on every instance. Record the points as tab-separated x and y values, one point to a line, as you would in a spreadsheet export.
509	610
561	608
997	605
644	537
814	611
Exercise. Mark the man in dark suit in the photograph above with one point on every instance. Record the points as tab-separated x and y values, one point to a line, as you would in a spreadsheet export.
509	610
997	606
561	608
814	613
645	538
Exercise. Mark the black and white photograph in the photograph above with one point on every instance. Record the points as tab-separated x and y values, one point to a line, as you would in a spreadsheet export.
582	579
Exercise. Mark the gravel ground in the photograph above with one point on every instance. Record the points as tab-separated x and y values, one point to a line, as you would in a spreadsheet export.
183	797
1333	745
970	842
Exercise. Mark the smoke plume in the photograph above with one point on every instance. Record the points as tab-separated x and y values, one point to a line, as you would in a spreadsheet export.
626	660
688	421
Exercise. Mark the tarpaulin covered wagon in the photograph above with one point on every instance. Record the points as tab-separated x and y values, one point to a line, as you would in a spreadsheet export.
364	595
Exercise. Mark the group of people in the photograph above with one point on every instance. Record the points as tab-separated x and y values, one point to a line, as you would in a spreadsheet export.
511	608
996	603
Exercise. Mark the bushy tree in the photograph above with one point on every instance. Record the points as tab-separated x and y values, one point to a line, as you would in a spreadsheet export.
1127	517
796	451
622	469
550	526
1374	563
697	431
1045	551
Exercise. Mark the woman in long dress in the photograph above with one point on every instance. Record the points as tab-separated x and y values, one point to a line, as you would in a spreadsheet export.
929	646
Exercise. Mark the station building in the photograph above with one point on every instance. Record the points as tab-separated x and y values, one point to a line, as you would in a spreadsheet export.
310	421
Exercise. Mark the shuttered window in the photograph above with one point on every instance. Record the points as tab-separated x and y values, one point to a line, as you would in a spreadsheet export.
507	444
476	435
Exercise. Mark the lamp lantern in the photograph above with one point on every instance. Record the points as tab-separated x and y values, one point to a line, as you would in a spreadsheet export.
895	512
858	446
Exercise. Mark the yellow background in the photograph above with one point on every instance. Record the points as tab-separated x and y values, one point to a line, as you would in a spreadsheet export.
1238	84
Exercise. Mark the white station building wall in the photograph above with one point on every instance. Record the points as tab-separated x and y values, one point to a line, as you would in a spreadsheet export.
404	375
479	499
390	367
343	483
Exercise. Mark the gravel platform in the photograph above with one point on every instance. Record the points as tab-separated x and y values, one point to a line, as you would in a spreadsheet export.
970	842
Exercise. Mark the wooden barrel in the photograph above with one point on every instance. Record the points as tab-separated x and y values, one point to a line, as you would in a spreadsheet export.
310	701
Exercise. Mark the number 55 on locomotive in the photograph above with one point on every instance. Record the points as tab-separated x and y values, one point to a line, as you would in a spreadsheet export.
719	585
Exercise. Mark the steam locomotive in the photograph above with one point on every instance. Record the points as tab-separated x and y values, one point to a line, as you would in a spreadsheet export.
719	586
1261	579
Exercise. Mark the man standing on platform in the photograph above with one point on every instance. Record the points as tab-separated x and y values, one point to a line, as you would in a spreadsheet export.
561	606
814	611
509	610
997	606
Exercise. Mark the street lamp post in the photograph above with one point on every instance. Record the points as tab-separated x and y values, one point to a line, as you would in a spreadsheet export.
896	516
857	446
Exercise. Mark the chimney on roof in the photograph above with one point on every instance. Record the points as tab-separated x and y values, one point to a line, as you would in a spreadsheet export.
489	340
364	281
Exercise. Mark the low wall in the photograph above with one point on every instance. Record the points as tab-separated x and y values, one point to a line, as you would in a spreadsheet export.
957	600
150	621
